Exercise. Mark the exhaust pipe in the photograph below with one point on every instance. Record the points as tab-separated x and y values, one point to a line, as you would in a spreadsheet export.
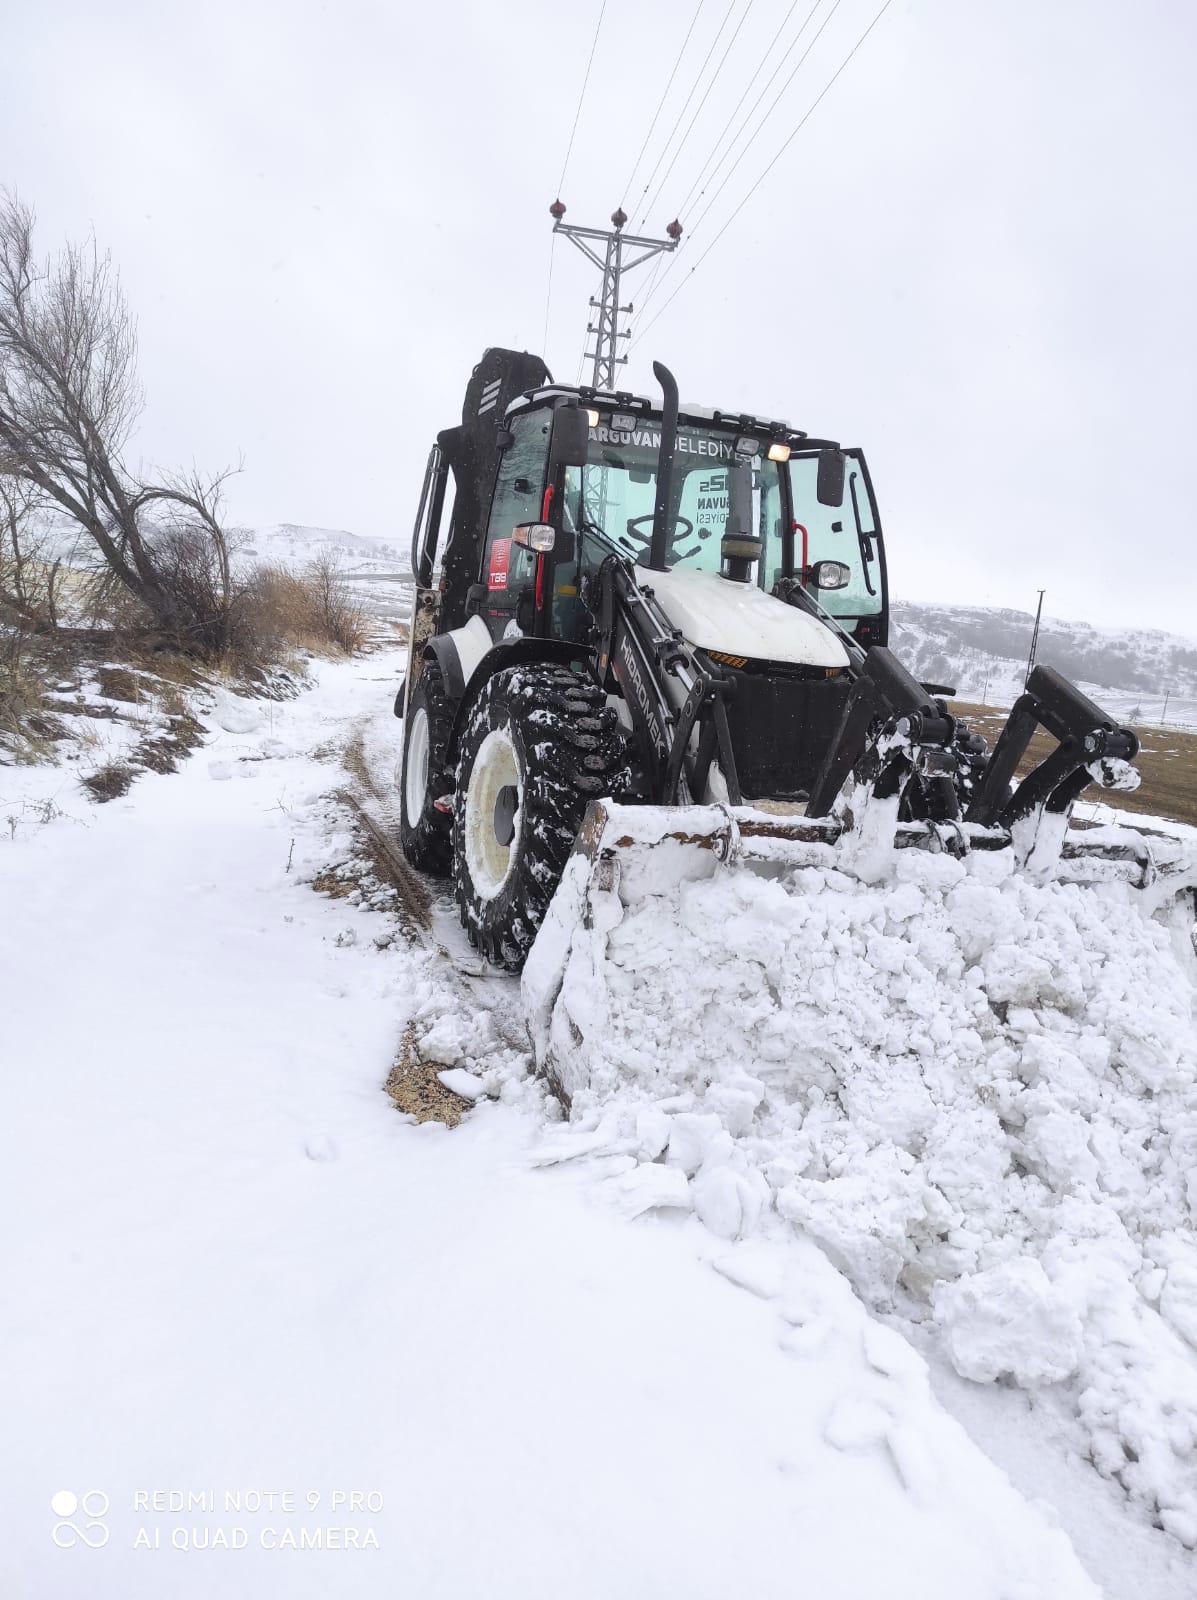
662	520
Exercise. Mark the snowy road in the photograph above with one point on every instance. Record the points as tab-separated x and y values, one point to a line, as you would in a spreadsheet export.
231	1267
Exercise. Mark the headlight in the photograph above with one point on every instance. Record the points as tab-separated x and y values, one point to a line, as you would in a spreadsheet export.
830	575
539	536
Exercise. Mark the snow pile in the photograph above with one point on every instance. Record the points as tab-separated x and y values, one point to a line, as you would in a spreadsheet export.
977	1093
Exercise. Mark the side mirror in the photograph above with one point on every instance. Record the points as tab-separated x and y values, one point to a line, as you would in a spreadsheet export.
829	575
569	442
829	484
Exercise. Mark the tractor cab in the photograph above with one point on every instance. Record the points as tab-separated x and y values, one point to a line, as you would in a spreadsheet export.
577	476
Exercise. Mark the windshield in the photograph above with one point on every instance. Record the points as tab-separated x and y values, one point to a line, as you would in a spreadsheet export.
833	533
617	489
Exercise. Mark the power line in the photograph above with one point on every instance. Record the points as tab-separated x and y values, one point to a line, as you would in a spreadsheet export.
706	210
794	70
652	282
660	104
548	297
701	103
569	149
677	124
803	120
719	141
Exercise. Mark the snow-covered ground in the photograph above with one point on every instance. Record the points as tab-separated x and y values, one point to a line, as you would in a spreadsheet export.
233	1270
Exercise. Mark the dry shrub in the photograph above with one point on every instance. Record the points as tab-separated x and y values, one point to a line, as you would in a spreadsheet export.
272	611
314	608
336	611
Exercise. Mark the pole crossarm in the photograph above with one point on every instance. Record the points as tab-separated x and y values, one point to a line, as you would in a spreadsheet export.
614	266
575	230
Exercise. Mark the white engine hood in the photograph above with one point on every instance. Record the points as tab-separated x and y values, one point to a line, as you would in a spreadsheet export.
741	620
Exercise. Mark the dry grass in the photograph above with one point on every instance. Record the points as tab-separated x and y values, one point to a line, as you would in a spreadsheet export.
119	683
335	882
163	752
110	781
1167	762
414	1087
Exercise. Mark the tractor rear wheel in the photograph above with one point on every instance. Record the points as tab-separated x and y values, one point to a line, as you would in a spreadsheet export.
426	832
539	745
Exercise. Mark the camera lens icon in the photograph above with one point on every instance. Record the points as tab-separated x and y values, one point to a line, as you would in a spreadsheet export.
93	1504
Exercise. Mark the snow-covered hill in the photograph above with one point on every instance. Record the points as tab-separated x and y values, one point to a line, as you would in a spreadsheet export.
982	651
294	544
377	569
281	543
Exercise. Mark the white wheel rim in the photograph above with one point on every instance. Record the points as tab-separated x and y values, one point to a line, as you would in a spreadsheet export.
489	857
415	765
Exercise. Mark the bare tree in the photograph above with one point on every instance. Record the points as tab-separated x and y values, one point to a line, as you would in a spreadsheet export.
337	614
69	396
30	570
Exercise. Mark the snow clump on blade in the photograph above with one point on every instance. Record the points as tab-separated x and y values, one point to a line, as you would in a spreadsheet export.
977	1093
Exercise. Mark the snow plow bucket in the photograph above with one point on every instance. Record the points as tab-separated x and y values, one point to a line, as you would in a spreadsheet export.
627	855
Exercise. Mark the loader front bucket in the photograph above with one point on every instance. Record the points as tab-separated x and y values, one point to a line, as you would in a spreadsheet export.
627	856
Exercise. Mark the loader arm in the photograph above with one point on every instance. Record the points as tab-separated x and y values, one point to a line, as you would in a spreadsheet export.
641	649
892	731
897	739
1091	749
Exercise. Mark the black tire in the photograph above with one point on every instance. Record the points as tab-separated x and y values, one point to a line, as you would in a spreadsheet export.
425	832
560	743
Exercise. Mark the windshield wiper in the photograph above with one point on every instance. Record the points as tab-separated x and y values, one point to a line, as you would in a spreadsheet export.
611	540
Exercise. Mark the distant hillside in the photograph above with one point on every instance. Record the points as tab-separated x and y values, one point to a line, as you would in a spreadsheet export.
283	543
291	544
983	653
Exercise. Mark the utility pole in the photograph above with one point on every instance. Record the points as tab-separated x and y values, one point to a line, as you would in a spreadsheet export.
614	265
1164	712
985	690
1034	641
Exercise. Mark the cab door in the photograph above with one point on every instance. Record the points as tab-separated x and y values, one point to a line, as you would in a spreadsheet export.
849	533
508	572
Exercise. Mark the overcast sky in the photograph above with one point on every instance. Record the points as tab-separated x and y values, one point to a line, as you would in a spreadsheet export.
977	259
